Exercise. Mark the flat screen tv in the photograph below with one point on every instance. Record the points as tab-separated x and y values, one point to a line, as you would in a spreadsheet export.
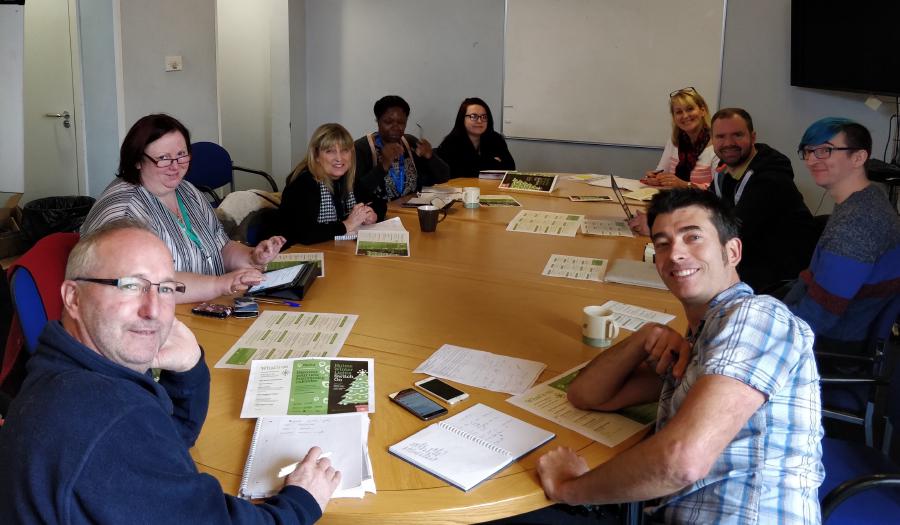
846	46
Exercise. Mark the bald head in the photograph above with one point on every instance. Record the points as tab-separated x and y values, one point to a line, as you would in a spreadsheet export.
127	324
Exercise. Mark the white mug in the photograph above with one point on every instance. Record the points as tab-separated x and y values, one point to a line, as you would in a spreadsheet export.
598	328
471	197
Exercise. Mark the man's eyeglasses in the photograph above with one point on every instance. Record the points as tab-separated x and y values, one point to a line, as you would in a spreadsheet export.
687	90
820	152
474	117
139	285
165	163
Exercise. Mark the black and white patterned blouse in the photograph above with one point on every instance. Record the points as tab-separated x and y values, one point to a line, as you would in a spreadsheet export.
125	200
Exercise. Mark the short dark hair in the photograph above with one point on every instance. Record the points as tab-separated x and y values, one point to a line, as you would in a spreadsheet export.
823	130
390	101
145	131
731	112
721	215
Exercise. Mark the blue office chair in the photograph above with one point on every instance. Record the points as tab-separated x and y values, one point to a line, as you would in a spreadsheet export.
212	168
862	484
863	399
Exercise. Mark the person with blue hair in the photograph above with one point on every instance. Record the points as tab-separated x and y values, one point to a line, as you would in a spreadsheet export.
855	268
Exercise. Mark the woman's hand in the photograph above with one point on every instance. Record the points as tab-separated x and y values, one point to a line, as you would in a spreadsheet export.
266	250
423	149
239	281
670	180
650	178
390	152
359	215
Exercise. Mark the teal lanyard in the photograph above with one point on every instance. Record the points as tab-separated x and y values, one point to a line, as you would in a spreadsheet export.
186	223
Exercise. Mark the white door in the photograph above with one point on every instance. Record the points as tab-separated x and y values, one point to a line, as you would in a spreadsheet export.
51	164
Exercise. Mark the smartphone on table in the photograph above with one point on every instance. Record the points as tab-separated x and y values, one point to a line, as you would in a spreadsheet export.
212	310
416	402
441	390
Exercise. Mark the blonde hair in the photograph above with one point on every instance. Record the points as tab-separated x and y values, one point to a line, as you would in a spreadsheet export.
324	137
685	97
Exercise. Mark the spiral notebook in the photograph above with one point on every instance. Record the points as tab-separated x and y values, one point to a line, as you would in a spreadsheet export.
281	441
470	447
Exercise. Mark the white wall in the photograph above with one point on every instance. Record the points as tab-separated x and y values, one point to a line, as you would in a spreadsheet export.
150	32
101	115
357	51
12	120
433	53
254	86
757	77
297	67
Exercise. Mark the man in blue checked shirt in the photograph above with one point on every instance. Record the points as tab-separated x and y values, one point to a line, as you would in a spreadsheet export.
738	434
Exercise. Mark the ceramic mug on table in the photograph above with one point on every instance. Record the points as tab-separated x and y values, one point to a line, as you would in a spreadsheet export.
471	197
428	217
598	327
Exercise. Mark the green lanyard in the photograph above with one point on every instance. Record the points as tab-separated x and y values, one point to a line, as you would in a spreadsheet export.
185	223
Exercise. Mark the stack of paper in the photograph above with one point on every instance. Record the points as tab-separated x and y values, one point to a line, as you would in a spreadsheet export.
482	369
286	260
303	403
281	441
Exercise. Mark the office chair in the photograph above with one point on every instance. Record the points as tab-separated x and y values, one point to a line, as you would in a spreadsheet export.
34	284
862	484
212	168
863	399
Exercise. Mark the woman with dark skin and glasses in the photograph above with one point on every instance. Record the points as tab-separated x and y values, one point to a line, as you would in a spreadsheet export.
390	163
150	187
688	159
473	145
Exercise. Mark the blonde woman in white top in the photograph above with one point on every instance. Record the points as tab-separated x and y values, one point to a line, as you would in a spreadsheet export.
688	158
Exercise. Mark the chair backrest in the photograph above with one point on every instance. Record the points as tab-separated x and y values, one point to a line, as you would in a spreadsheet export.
35	283
211	167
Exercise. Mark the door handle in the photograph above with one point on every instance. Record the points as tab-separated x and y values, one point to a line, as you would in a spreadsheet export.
65	115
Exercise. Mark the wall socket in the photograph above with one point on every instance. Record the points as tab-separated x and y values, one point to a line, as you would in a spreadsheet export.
173	63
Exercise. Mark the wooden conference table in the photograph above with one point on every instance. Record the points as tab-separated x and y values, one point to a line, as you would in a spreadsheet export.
471	284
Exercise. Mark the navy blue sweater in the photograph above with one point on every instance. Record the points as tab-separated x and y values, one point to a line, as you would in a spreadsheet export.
90	441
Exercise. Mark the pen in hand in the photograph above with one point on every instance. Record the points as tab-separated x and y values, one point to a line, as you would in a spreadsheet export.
287	469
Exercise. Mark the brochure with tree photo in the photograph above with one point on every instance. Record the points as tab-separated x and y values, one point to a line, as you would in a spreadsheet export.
311	386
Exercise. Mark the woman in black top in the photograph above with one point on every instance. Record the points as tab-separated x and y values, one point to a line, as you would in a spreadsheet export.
473	145
318	202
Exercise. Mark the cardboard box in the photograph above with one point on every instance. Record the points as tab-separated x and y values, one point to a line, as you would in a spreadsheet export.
12	239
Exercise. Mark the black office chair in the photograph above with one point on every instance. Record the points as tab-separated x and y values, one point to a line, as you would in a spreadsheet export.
863	398
212	168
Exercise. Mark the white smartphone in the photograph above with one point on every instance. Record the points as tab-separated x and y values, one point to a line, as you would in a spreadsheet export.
441	390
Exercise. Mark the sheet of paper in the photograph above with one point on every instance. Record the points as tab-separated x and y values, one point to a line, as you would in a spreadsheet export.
393	224
584	177
643	194
548	400
383	243
491	174
608	227
283	335
546	223
631	317
279	277
498	200
284	260
624	183
281	441
572	267
309	386
482	369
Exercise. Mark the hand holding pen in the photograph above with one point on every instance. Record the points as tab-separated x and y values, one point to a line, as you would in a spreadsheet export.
650	178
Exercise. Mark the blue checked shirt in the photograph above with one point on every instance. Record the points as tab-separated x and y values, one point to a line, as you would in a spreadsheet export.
771	471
